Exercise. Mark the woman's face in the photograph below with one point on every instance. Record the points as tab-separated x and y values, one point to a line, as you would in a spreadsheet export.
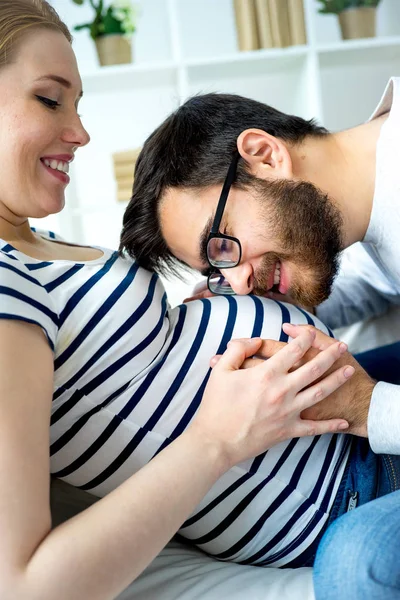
40	128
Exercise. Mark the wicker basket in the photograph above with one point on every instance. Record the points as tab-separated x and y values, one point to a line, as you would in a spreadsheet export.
358	22
113	49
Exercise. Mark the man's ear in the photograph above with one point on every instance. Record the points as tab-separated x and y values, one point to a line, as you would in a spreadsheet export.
268	156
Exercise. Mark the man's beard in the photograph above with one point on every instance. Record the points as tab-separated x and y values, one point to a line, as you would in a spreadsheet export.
308	227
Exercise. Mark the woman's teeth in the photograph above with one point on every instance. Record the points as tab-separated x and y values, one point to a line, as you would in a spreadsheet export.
277	274
57	165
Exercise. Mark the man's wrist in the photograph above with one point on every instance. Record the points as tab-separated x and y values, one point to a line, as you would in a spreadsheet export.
362	403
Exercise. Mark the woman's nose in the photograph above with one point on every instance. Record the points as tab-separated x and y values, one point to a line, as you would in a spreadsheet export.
241	278
75	133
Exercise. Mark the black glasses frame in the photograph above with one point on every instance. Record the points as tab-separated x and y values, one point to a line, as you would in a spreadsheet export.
214	231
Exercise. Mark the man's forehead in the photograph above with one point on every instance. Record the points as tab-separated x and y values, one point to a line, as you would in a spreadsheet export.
186	216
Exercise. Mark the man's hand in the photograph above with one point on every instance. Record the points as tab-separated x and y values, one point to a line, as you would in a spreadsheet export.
351	401
246	411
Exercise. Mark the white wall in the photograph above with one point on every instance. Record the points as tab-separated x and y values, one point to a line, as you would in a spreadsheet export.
122	106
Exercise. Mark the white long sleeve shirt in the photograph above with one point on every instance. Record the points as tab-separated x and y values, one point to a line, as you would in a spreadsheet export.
369	281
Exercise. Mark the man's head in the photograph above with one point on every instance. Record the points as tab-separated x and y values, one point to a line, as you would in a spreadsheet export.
287	228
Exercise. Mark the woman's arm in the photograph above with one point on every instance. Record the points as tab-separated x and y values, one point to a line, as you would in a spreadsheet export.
100	551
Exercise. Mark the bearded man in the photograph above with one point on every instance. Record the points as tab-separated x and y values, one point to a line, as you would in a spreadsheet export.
263	202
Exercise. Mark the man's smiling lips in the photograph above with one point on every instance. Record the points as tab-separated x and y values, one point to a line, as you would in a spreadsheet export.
274	276
278	280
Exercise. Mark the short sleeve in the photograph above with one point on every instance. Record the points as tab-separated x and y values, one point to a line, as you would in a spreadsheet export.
23	298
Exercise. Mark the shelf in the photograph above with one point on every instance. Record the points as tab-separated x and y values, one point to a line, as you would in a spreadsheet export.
360	44
127	76
150	74
250	56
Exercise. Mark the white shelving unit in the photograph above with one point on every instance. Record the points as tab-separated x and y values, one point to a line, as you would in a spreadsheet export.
184	47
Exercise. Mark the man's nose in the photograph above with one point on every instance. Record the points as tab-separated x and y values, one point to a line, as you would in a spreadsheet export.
241	278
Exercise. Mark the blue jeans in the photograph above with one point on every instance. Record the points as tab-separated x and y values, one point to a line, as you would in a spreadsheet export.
358	555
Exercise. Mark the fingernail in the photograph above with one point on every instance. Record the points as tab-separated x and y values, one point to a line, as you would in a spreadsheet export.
342	347
343	426
348	372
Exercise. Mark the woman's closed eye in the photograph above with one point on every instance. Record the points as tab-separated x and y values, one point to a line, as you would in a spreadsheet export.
48	102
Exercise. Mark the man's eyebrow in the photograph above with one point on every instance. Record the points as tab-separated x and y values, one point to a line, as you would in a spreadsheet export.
204	239
61	80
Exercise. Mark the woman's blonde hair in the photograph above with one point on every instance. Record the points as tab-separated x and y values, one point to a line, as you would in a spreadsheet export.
18	16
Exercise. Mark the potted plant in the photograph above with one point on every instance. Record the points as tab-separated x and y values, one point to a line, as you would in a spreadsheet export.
357	18
111	29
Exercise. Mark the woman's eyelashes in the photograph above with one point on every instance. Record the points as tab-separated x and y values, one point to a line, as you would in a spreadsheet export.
53	104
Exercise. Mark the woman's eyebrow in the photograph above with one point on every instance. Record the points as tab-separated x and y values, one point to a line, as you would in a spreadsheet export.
64	82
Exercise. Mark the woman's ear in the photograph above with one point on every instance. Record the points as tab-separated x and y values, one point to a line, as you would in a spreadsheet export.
268	156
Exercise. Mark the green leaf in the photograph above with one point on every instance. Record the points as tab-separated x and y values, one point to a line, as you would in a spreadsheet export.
79	2
83	26
111	25
338	6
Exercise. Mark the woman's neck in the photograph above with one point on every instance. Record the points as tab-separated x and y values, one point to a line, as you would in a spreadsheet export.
13	227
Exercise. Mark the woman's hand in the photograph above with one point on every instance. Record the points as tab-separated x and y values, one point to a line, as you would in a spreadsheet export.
246	411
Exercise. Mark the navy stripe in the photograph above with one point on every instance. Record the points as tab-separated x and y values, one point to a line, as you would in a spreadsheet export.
307	316
8	248
328	493
31	322
144	386
84	289
283	337
259	317
329	454
183	371
4	265
233	487
97	317
30	301
37	266
227	335
49	287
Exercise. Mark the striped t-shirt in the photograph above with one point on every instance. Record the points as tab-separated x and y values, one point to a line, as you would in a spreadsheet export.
129	374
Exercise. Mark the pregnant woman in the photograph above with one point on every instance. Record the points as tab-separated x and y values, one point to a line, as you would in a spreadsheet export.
105	387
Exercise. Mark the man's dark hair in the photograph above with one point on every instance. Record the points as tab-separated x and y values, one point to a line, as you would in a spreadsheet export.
193	148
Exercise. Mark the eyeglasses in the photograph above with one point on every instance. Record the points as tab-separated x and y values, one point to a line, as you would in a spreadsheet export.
223	251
